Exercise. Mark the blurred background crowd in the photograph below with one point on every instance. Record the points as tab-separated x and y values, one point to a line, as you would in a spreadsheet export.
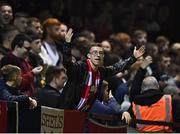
104	17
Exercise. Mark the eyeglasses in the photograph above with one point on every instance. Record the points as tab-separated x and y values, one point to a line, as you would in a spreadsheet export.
96	53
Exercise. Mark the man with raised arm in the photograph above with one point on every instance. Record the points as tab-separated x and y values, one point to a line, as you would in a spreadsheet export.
89	74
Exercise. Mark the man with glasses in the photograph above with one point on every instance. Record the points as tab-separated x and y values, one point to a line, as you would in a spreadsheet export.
89	74
18	57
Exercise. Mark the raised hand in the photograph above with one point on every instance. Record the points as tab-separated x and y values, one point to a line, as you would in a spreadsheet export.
69	35
145	63
110	94
33	103
126	116
138	53
37	70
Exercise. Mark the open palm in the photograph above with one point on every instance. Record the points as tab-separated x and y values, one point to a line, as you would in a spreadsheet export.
69	35
138	53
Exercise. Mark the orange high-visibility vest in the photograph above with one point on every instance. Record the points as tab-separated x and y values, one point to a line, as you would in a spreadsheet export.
159	111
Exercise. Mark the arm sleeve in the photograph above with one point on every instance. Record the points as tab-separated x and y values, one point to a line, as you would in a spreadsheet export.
118	67
73	69
136	84
113	104
22	99
26	79
108	109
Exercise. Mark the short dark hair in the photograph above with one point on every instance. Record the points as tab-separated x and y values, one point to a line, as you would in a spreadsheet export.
5	4
19	40
52	72
32	19
34	36
21	14
161	39
86	34
138	32
82	44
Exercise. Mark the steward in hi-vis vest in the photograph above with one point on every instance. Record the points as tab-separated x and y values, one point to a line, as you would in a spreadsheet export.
154	111
159	111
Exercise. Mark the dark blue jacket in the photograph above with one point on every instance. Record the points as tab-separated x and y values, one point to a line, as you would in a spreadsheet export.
109	108
9	94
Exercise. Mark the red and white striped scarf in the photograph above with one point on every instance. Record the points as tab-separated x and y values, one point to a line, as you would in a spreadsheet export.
88	83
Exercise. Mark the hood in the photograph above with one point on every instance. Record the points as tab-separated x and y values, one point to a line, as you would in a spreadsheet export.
148	97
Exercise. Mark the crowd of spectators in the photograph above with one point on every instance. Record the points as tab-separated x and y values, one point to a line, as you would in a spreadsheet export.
105	16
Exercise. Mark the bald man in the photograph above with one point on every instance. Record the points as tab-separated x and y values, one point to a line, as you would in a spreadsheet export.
149	82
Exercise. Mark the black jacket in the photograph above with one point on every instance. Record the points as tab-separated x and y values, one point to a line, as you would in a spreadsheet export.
151	96
77	72
35	59
48	96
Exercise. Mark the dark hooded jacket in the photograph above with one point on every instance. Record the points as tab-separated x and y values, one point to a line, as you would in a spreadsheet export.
151	96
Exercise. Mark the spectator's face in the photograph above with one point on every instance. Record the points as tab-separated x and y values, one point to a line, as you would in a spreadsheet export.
54	32
166	61
18	79
37	28
96	56
142	39
24	50
163	46
106	46
6	14
63	30
36	45
21	23
61	80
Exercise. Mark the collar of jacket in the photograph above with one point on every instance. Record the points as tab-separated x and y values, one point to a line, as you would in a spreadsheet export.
48	87
148	97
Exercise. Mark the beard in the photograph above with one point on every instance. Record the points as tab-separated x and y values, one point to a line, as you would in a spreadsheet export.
55	37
